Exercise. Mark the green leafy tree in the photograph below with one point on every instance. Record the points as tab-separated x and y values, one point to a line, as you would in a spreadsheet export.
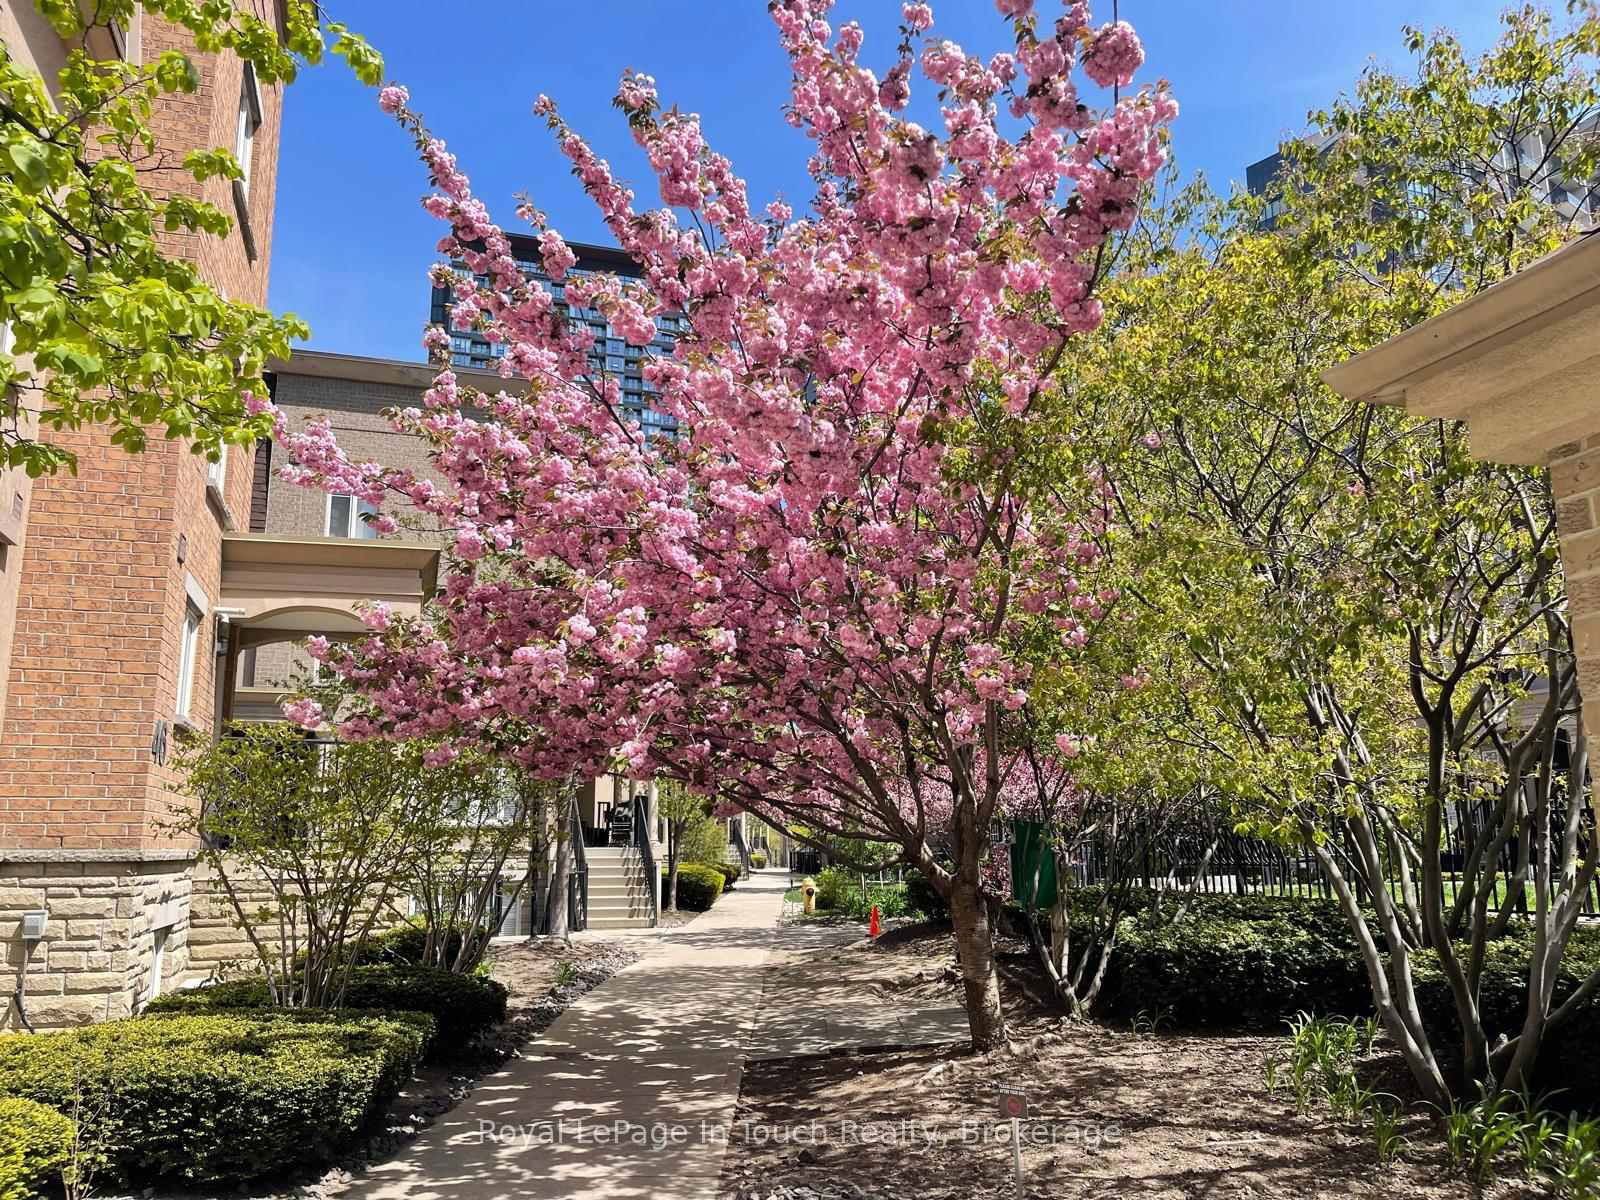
683	811
311	841
475	818
1363	630
107	324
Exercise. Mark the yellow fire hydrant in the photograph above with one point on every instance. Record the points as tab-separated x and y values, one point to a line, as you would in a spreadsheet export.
808	893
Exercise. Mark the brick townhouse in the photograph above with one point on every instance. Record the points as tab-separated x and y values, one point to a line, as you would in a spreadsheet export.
113	615
155	596
309	556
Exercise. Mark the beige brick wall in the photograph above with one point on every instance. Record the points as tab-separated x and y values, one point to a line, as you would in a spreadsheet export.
95	961
218	944
355	410
1575	480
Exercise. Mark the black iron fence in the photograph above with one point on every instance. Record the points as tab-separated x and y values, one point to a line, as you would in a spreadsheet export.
1210	857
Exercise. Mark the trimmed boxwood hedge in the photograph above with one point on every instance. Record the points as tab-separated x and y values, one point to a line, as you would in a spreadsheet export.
217	1097
1569	1052
35	1144
403	945
1256	961
1248	962
698	886
730	874
461	1006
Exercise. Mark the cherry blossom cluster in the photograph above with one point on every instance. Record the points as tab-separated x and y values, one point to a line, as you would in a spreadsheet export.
827	591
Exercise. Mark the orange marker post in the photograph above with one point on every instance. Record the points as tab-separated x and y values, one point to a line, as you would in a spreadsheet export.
877	925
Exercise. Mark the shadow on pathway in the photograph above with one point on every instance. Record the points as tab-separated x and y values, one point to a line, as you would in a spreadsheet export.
630	1092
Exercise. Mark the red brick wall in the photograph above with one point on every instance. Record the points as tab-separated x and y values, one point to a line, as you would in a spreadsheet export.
102	597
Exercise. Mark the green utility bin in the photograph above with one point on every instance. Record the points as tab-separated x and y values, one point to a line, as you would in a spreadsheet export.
1030	853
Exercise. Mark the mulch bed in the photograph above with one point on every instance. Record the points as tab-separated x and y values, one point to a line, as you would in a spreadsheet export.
1113	1113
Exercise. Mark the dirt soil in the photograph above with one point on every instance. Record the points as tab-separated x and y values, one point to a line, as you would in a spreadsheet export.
1112	1113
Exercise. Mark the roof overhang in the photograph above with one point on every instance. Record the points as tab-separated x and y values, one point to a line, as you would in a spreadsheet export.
323	364
1519	362
283	589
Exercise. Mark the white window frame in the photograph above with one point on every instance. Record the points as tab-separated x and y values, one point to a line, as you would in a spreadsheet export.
217	472
188	656
195	608
249	122
355	527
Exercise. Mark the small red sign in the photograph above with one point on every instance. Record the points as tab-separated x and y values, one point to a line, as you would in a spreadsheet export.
1013	1105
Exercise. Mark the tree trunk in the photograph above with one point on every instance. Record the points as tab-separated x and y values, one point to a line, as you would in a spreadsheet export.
979	979
536	889
674	832
559	875
539	870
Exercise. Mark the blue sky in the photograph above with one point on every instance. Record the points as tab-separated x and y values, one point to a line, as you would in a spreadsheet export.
351	245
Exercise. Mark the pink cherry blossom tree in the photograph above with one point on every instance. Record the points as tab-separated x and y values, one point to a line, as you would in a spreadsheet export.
824	598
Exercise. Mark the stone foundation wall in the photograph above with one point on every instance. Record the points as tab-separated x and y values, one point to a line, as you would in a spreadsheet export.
218	945
97	960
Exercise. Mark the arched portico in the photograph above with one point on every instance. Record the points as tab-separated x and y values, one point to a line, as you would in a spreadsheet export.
277	589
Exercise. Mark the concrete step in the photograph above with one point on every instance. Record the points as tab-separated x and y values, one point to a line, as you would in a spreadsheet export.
642	911
618	892
598	922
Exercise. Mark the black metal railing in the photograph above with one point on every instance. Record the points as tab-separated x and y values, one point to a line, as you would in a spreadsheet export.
647	854
578	880
1210	857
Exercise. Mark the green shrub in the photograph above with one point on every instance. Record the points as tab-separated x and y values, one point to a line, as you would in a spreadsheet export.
836	887
704	841
699	886
839	891
923	898
462	1006
404	945
889	899
758	859
730	874
1503	1001
1257	961
217	1097
1231	962
35	1144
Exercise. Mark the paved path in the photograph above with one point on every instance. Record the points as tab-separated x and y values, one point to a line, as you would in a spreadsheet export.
642	1074
825	991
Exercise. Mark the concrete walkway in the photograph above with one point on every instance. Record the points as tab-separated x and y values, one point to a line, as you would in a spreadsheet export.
825	993
629	1093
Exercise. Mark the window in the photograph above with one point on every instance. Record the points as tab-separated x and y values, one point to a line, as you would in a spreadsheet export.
249	121
217	472
188	654
344	517
158	963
